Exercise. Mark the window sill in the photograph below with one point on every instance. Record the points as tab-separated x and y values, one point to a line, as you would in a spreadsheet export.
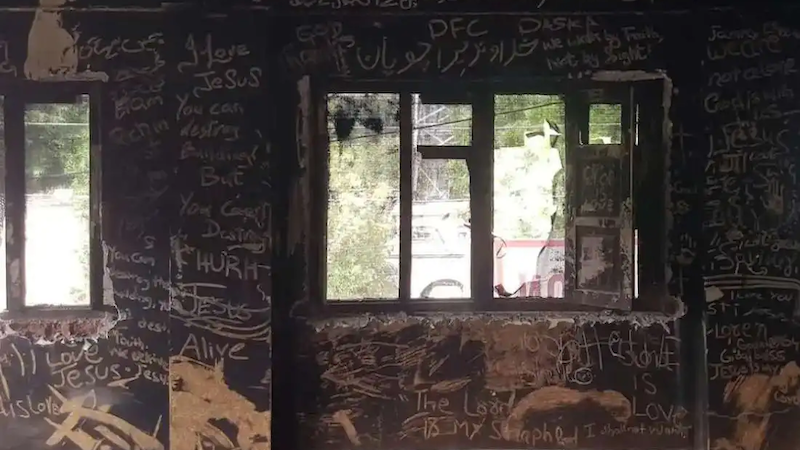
663	308
51	323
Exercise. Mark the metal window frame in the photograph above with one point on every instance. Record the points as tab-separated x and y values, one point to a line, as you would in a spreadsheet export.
481	95
16	98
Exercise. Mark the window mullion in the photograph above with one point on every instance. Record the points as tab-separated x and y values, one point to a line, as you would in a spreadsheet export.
406	193
628	128
576	113
313	139
96	260
481	170
14	112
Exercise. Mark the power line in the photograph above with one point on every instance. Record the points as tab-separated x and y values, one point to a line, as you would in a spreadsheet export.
450	122
59	124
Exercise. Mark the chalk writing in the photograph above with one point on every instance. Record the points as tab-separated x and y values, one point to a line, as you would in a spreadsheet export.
599	181
6	66
201	349
83	411
523	381
458	45
204	306
113	48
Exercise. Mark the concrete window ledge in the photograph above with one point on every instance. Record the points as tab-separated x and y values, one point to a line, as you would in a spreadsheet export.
49	325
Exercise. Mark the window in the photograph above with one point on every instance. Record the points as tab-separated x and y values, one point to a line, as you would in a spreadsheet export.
495	200
51	233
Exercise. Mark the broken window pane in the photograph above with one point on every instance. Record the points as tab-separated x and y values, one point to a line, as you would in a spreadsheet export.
529	224
441	239
57	204
363	196
598	252
442	124
605	123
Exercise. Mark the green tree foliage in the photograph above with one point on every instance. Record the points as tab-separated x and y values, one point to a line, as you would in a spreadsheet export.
57	152
57	148
364	179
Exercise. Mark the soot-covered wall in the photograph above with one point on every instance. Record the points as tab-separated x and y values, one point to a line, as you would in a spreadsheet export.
192	357
186	207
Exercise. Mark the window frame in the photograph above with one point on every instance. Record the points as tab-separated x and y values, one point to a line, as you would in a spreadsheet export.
653	299
16	97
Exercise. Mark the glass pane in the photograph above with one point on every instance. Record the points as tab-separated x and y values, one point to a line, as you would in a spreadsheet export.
529	179
363	196
605	123
441	241
57	204
442	124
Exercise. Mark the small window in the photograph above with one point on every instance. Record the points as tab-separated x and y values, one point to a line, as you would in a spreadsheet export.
51	205
495	201
605	123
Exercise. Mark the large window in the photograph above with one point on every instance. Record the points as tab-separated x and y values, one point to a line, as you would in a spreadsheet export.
50	218
495	200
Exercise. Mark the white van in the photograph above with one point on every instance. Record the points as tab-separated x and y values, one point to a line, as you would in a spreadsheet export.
440	249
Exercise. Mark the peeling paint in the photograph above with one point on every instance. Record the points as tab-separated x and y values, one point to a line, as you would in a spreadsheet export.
751	396
48	326
194	388
67	326
51	48
713	294
635	319
552	397
108	281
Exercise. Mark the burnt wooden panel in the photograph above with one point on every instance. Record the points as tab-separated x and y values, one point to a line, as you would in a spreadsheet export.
745	106
489	384
70	395
751	218
79	394
157	151
222	234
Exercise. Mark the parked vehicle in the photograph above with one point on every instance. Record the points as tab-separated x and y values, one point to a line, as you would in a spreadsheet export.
440	248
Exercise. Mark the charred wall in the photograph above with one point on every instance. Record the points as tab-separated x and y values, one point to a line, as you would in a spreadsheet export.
185	167
732	254
192	349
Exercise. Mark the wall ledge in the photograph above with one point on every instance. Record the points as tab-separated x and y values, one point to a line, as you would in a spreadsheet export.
48	326
554	318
